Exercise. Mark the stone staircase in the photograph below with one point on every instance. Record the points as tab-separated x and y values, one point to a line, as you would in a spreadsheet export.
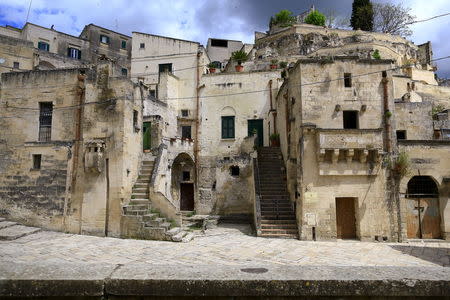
141	221
277	214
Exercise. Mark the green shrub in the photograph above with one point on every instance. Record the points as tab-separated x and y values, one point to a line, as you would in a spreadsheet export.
284	18
315	18
376	54
239	56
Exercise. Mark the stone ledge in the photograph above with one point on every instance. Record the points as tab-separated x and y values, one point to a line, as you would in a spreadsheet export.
135	279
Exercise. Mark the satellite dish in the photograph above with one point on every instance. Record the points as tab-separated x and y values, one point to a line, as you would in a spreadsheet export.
2	60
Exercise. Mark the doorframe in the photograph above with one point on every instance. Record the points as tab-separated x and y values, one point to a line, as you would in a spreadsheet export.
355	213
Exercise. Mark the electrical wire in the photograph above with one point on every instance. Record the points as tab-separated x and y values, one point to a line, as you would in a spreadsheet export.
225	95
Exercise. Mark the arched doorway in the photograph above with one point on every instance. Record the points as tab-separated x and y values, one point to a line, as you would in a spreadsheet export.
422	208
183	173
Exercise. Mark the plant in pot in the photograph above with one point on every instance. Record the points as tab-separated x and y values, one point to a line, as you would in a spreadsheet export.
213	66
274	140
273	64
239	56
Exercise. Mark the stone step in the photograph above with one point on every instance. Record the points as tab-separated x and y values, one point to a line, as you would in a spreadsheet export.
279	236
165	225
179	236
17	231
279	226
145	173
5	224
149	217
2	219
147	162
173	231
139	196
271	217
137	206
279	231
271	222
188	237
139	202
156	222
142	189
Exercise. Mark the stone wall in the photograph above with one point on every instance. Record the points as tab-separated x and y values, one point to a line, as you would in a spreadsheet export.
14	50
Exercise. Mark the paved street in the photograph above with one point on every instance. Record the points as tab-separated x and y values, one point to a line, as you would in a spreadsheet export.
224	258
226	245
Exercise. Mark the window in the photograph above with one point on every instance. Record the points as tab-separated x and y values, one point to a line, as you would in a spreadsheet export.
43	46
347	79
37	161
45	121
165	68
186	175
184	113
422	187
16	65
219	43
124	45
228	127
104	39
142	46
186	132
350	119
74	53
135	120
234	171
401	135
124	71
153	93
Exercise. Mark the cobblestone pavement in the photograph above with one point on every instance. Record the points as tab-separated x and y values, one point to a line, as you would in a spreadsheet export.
227	245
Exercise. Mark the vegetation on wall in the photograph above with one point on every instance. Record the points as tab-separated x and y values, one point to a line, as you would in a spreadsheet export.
239	56
376	54
362	15
284	18
316	18
401	165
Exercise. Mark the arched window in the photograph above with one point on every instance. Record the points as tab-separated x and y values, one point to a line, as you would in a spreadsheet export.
422	187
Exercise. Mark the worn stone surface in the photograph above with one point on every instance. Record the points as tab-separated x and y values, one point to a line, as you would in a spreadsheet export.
51	263
16	231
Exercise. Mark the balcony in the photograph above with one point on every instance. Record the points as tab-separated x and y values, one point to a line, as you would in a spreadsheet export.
349	151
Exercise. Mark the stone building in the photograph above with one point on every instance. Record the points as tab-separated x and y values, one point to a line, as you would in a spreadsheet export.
54	49
360	120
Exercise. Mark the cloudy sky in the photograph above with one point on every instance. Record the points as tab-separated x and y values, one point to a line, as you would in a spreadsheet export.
199	19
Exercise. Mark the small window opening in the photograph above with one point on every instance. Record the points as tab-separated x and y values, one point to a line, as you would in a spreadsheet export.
350	119
142	46
401	135
16	65
43	46
186	175
74	53
384	74
165	68
347	79
228	127
124	44
186	132
184	113
37	161
234	171
124	72
153	93
45	121
104	39
219	43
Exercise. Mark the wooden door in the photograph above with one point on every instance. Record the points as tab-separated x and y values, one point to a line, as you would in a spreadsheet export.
412	219
187	196
258	126
345	218
146	135
430	218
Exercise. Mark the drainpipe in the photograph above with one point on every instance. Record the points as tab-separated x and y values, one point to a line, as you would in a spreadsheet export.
197	118
274	111
387	119
78	128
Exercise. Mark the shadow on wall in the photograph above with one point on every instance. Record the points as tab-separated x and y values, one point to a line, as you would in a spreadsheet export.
439	256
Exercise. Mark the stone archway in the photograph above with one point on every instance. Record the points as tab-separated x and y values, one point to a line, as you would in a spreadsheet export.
183	178
423	216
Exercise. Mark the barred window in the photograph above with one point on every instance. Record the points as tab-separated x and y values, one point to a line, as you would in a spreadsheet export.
45	121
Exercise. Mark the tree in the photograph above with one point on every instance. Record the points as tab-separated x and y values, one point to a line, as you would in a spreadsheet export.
315	18
393	19
362	15
284	18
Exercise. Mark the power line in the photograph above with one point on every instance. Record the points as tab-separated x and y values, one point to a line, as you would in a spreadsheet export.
425	20
221	95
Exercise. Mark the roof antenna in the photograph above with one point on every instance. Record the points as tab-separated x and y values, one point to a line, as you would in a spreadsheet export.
28	13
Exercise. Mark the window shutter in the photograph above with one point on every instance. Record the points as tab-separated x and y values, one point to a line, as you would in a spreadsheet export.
79	54
68	52
224	128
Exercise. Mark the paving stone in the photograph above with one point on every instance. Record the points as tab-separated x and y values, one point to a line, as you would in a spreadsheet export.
179	236
4	224
16	231
188	237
